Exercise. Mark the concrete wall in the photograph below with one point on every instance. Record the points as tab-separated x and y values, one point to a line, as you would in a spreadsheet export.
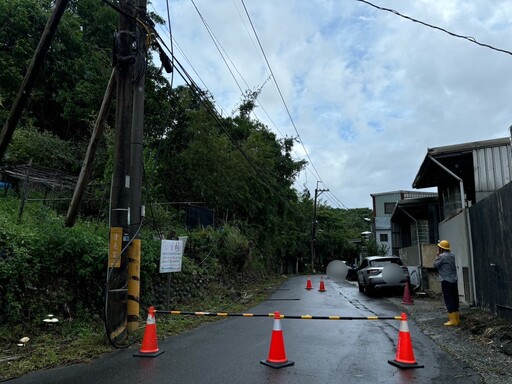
410	257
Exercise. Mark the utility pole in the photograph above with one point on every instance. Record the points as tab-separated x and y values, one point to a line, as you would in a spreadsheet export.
117	275
85	172
31	75
136	171
318	192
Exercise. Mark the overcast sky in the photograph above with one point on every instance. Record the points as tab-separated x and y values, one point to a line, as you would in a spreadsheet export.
368	91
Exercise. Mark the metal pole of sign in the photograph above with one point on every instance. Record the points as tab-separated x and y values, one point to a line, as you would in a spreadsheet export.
168	293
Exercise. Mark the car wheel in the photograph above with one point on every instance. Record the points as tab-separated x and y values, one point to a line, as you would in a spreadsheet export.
360	286
368	290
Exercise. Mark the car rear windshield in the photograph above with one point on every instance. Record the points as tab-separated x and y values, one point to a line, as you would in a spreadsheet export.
382	263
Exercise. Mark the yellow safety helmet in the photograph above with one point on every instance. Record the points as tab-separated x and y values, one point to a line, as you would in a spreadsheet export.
444	244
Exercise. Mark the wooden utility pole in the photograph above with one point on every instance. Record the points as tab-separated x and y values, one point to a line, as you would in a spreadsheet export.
85	172
116	316
30	77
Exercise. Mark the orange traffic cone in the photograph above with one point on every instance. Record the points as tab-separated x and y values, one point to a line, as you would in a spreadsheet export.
149	347
322	285
404	353
277	354
407	299
308	283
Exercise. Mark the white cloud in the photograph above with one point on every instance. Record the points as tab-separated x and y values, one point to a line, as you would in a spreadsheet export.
368	91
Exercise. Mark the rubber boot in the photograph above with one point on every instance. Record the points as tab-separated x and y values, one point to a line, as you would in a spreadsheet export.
453	319
457	318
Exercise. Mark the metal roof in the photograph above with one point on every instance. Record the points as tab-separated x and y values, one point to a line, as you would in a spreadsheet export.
417	208
458	158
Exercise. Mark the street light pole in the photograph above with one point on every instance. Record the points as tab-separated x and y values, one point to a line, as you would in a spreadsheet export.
318	192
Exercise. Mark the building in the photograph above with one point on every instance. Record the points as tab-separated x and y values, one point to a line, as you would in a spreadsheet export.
383	207
415	225
464	175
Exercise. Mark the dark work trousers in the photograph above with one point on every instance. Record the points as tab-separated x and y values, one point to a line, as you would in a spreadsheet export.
450	295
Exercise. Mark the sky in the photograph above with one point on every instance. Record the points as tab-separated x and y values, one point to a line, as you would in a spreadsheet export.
365	91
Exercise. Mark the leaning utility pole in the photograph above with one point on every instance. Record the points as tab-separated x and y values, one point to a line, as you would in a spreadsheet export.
116	311
85	172
30	76
318	192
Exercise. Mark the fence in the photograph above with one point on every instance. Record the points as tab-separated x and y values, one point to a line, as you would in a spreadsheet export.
491	233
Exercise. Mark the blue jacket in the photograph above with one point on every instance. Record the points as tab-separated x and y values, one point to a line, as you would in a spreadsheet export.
445	263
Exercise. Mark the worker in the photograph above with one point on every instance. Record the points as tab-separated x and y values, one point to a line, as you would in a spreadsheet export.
445	264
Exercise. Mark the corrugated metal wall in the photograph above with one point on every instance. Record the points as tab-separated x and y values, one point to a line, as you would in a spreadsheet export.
491	232
492	169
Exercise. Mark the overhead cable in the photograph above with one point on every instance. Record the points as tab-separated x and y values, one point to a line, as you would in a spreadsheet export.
278	89
469	38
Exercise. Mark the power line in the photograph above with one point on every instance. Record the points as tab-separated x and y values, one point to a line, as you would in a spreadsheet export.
173	43
170	39
218	46
469	38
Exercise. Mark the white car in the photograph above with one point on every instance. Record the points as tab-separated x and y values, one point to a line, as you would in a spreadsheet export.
369	274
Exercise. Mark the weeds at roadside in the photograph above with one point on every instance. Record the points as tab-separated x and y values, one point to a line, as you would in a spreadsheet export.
80	341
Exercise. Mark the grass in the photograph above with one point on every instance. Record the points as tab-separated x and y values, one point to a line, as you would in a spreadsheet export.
81	340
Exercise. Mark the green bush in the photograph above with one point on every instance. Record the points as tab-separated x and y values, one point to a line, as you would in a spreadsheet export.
46	267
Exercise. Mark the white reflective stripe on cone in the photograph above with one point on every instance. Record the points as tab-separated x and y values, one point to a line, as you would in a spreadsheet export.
404	327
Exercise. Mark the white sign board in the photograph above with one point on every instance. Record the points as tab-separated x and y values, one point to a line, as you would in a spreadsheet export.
171	254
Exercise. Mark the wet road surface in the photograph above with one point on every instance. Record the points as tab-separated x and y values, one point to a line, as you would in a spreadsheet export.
324	351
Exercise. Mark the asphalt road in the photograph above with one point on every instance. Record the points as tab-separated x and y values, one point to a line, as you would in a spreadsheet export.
324	351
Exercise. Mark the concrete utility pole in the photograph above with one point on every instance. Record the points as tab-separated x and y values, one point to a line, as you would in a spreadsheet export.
30	76
318	192
116	316
136	172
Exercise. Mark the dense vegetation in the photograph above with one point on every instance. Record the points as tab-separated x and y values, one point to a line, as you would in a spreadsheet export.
234	166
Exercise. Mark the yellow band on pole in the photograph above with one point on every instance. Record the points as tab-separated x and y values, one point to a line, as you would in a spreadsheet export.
133	307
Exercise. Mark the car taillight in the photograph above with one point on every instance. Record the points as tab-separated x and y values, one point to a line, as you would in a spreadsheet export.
373	271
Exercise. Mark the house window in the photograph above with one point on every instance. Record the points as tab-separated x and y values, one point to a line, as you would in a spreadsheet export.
383	237
389	208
